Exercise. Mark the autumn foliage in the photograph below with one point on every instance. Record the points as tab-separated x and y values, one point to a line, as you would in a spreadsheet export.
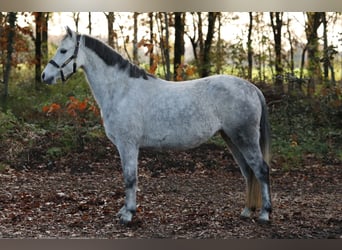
80	111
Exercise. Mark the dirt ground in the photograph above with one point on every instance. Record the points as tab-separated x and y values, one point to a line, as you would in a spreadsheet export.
193	194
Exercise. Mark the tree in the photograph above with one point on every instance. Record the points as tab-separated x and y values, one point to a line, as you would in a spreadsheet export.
12	17
110	21
166	47
179	42
125	37
45	52
135	37
262	40
292	79
89	23
76	17
162	23
193	39
219	53
198	42
276	24
38	45
41	43
314	20
205	60
15	45
249	46
328	53
150	15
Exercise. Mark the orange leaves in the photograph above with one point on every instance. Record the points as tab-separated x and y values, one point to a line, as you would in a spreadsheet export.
78	109
51	109
76	106
184	71
154	66
76	116
147	44
155	58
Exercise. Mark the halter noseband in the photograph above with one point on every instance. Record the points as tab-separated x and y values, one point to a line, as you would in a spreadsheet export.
73	57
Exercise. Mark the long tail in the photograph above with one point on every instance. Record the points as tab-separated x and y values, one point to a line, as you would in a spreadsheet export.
265	133
253	190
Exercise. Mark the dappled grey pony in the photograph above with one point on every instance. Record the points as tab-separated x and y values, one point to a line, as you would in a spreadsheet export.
140	110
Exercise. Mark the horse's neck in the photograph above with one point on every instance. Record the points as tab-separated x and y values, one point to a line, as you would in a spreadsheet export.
106	82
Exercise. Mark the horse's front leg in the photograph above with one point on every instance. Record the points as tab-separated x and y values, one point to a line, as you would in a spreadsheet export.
129	161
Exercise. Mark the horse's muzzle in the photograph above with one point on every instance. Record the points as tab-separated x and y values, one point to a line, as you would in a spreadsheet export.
48	80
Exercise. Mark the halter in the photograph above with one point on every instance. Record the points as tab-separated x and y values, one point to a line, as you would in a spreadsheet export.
73	57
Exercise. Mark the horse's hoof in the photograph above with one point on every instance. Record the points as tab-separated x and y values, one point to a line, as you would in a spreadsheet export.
264	219
246	214
124	222
125	216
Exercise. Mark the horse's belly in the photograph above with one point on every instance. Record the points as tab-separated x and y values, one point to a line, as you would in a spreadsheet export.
179	137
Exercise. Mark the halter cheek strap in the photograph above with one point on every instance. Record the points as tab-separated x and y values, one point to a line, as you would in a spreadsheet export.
73	57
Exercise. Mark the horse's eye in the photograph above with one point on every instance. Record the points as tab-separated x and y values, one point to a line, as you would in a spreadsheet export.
63	51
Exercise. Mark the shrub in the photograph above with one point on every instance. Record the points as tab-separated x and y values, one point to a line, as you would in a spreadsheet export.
74	118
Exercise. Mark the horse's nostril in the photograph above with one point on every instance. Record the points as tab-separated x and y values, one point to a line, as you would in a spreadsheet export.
43	76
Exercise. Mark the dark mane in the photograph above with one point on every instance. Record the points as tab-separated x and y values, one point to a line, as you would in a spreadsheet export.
112	58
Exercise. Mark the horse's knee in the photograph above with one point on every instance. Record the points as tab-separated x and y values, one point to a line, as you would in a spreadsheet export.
130	181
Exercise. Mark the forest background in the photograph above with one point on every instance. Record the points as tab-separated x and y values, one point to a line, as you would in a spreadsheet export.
299	72
62	178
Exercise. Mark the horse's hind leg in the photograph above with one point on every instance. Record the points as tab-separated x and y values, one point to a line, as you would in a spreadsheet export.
254	159
247	152
246	172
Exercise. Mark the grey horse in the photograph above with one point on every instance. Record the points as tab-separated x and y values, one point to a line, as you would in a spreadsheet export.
140	110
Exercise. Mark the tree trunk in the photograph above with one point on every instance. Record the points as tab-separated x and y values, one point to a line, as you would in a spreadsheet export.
291	81
200	42
150	15
328	55
179	42
205	70
135	38
276	27
89	23
45	51
193	40
110	22
219	59
2	25
314	20
249	46
291	48
166	47
12	17
76	17
38	46
301	75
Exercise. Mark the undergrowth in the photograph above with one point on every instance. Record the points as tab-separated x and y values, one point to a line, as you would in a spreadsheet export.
48	122
305	131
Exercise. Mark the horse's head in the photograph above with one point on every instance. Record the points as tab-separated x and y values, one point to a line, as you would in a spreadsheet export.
65	61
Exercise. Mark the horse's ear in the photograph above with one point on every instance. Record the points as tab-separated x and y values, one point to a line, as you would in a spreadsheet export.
69	31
